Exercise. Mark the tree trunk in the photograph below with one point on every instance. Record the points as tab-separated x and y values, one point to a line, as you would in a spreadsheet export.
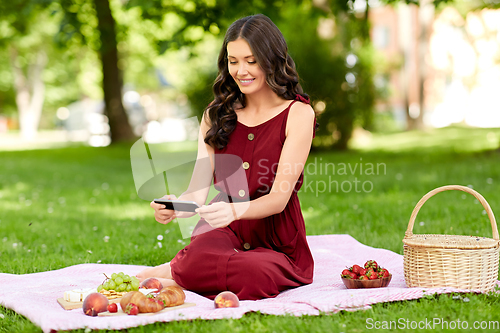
345	125
365	30
30	93
404	40
425	17
112	81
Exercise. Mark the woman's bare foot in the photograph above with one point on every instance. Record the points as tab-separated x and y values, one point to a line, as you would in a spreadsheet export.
160	272
168	283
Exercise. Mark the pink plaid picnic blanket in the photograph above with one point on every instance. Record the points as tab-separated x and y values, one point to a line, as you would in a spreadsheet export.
35	295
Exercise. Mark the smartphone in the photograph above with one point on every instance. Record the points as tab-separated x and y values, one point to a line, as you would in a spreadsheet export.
179	205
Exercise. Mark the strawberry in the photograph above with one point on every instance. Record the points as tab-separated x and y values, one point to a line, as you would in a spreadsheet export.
371	264
131	309
363	277
384	273
346	274
113	307
362	271
372	275
356	269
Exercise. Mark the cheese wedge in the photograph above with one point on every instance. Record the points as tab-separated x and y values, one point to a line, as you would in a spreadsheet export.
78	295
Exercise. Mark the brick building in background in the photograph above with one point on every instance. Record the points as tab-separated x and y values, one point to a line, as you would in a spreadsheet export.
440	68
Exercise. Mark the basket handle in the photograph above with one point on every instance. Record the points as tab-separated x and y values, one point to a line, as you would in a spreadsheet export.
479	197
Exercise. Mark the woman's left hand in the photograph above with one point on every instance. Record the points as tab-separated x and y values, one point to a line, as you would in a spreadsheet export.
218	214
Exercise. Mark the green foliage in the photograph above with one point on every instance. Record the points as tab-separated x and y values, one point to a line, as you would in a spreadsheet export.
78	24
200	93
321	63
28	27
210	16
20	14
7	94
322	67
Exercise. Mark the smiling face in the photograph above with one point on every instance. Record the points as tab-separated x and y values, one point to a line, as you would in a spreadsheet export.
243	67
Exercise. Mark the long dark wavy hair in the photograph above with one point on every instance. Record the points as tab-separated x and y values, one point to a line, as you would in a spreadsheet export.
271	53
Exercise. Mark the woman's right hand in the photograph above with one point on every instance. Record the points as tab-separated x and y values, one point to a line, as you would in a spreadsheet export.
163	215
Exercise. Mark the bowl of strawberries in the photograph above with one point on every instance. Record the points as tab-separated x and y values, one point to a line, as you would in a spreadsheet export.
371	275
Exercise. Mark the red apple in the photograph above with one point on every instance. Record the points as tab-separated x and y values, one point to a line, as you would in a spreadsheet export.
95	303
226	299
151	283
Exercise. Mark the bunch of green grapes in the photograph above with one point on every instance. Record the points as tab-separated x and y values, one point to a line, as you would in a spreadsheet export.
120	282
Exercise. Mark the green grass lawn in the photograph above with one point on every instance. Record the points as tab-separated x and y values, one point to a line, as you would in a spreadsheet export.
50	198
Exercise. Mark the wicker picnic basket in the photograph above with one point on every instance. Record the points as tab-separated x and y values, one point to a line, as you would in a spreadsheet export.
463	262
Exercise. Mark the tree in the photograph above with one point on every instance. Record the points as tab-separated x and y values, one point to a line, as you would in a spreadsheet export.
112	79
31	36
112	82
26	40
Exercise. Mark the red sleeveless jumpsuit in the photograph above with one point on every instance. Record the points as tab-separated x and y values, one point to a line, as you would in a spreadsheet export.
252	258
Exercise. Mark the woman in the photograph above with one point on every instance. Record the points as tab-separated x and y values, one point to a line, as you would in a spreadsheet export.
250	241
